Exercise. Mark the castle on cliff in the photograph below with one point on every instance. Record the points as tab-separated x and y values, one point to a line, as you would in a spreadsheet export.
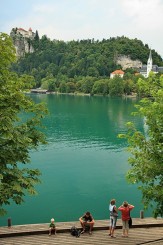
22	40
24	33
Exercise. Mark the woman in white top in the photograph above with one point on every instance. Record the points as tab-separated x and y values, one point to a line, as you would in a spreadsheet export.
113	217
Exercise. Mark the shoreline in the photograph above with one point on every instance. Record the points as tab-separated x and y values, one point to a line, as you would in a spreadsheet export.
134	95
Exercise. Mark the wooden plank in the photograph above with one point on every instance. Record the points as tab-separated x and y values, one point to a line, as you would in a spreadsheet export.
136	237
32	229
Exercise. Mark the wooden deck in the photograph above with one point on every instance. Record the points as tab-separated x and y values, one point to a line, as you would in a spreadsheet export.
145	231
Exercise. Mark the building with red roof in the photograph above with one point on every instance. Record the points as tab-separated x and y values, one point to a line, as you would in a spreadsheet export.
24	33
119	73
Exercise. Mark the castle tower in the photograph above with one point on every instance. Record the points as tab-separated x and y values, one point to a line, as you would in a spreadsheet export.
149	63
30	32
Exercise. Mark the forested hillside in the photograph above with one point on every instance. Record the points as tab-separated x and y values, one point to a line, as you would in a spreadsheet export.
65	66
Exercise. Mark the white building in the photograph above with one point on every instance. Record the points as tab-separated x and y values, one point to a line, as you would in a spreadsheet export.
24	33
146	69
119	73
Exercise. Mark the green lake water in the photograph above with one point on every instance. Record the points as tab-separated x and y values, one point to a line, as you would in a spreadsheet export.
84	163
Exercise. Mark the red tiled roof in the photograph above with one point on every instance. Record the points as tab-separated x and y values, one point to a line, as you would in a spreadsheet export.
21	29
118	72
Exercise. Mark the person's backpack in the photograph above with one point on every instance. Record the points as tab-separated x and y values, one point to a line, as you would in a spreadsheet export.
130	222
74	231
113	212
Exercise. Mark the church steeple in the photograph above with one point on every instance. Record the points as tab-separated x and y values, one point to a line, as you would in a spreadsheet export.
149	63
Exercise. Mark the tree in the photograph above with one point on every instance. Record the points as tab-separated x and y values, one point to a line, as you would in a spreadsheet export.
37	36
87	84
17	136
100	87
128	86
70	87
116	86
147	148
62	87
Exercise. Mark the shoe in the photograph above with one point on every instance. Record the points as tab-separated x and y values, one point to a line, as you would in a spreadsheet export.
49	234
82	231
113	236
109	234
90	232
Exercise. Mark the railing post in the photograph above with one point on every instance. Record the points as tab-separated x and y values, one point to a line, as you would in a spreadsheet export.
9	222
141	214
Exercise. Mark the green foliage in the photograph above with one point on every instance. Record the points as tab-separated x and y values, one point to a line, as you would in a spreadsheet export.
147	148
87	84
116	86
128	86
83	62
36	38
17	137
62	87
84	58
101	87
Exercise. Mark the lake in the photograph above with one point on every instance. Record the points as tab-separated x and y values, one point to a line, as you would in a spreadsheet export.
84	163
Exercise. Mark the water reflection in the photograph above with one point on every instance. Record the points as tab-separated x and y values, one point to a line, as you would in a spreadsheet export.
87	121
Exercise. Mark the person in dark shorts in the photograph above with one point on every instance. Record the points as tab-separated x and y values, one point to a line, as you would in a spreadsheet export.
87	220
52	227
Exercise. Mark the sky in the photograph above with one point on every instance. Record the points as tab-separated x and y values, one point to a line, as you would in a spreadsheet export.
87	19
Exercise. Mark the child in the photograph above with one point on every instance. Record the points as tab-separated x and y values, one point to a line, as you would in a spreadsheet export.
52	227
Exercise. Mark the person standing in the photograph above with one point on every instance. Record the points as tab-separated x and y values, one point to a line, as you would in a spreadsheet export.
113	217
125	209
87	220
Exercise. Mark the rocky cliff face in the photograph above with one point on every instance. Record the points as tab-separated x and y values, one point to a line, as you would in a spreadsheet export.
21	42
127	62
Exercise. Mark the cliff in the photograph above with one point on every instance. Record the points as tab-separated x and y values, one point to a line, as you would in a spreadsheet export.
22	41
126	62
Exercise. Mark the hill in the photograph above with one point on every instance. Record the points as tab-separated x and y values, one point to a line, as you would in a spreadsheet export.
69	61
